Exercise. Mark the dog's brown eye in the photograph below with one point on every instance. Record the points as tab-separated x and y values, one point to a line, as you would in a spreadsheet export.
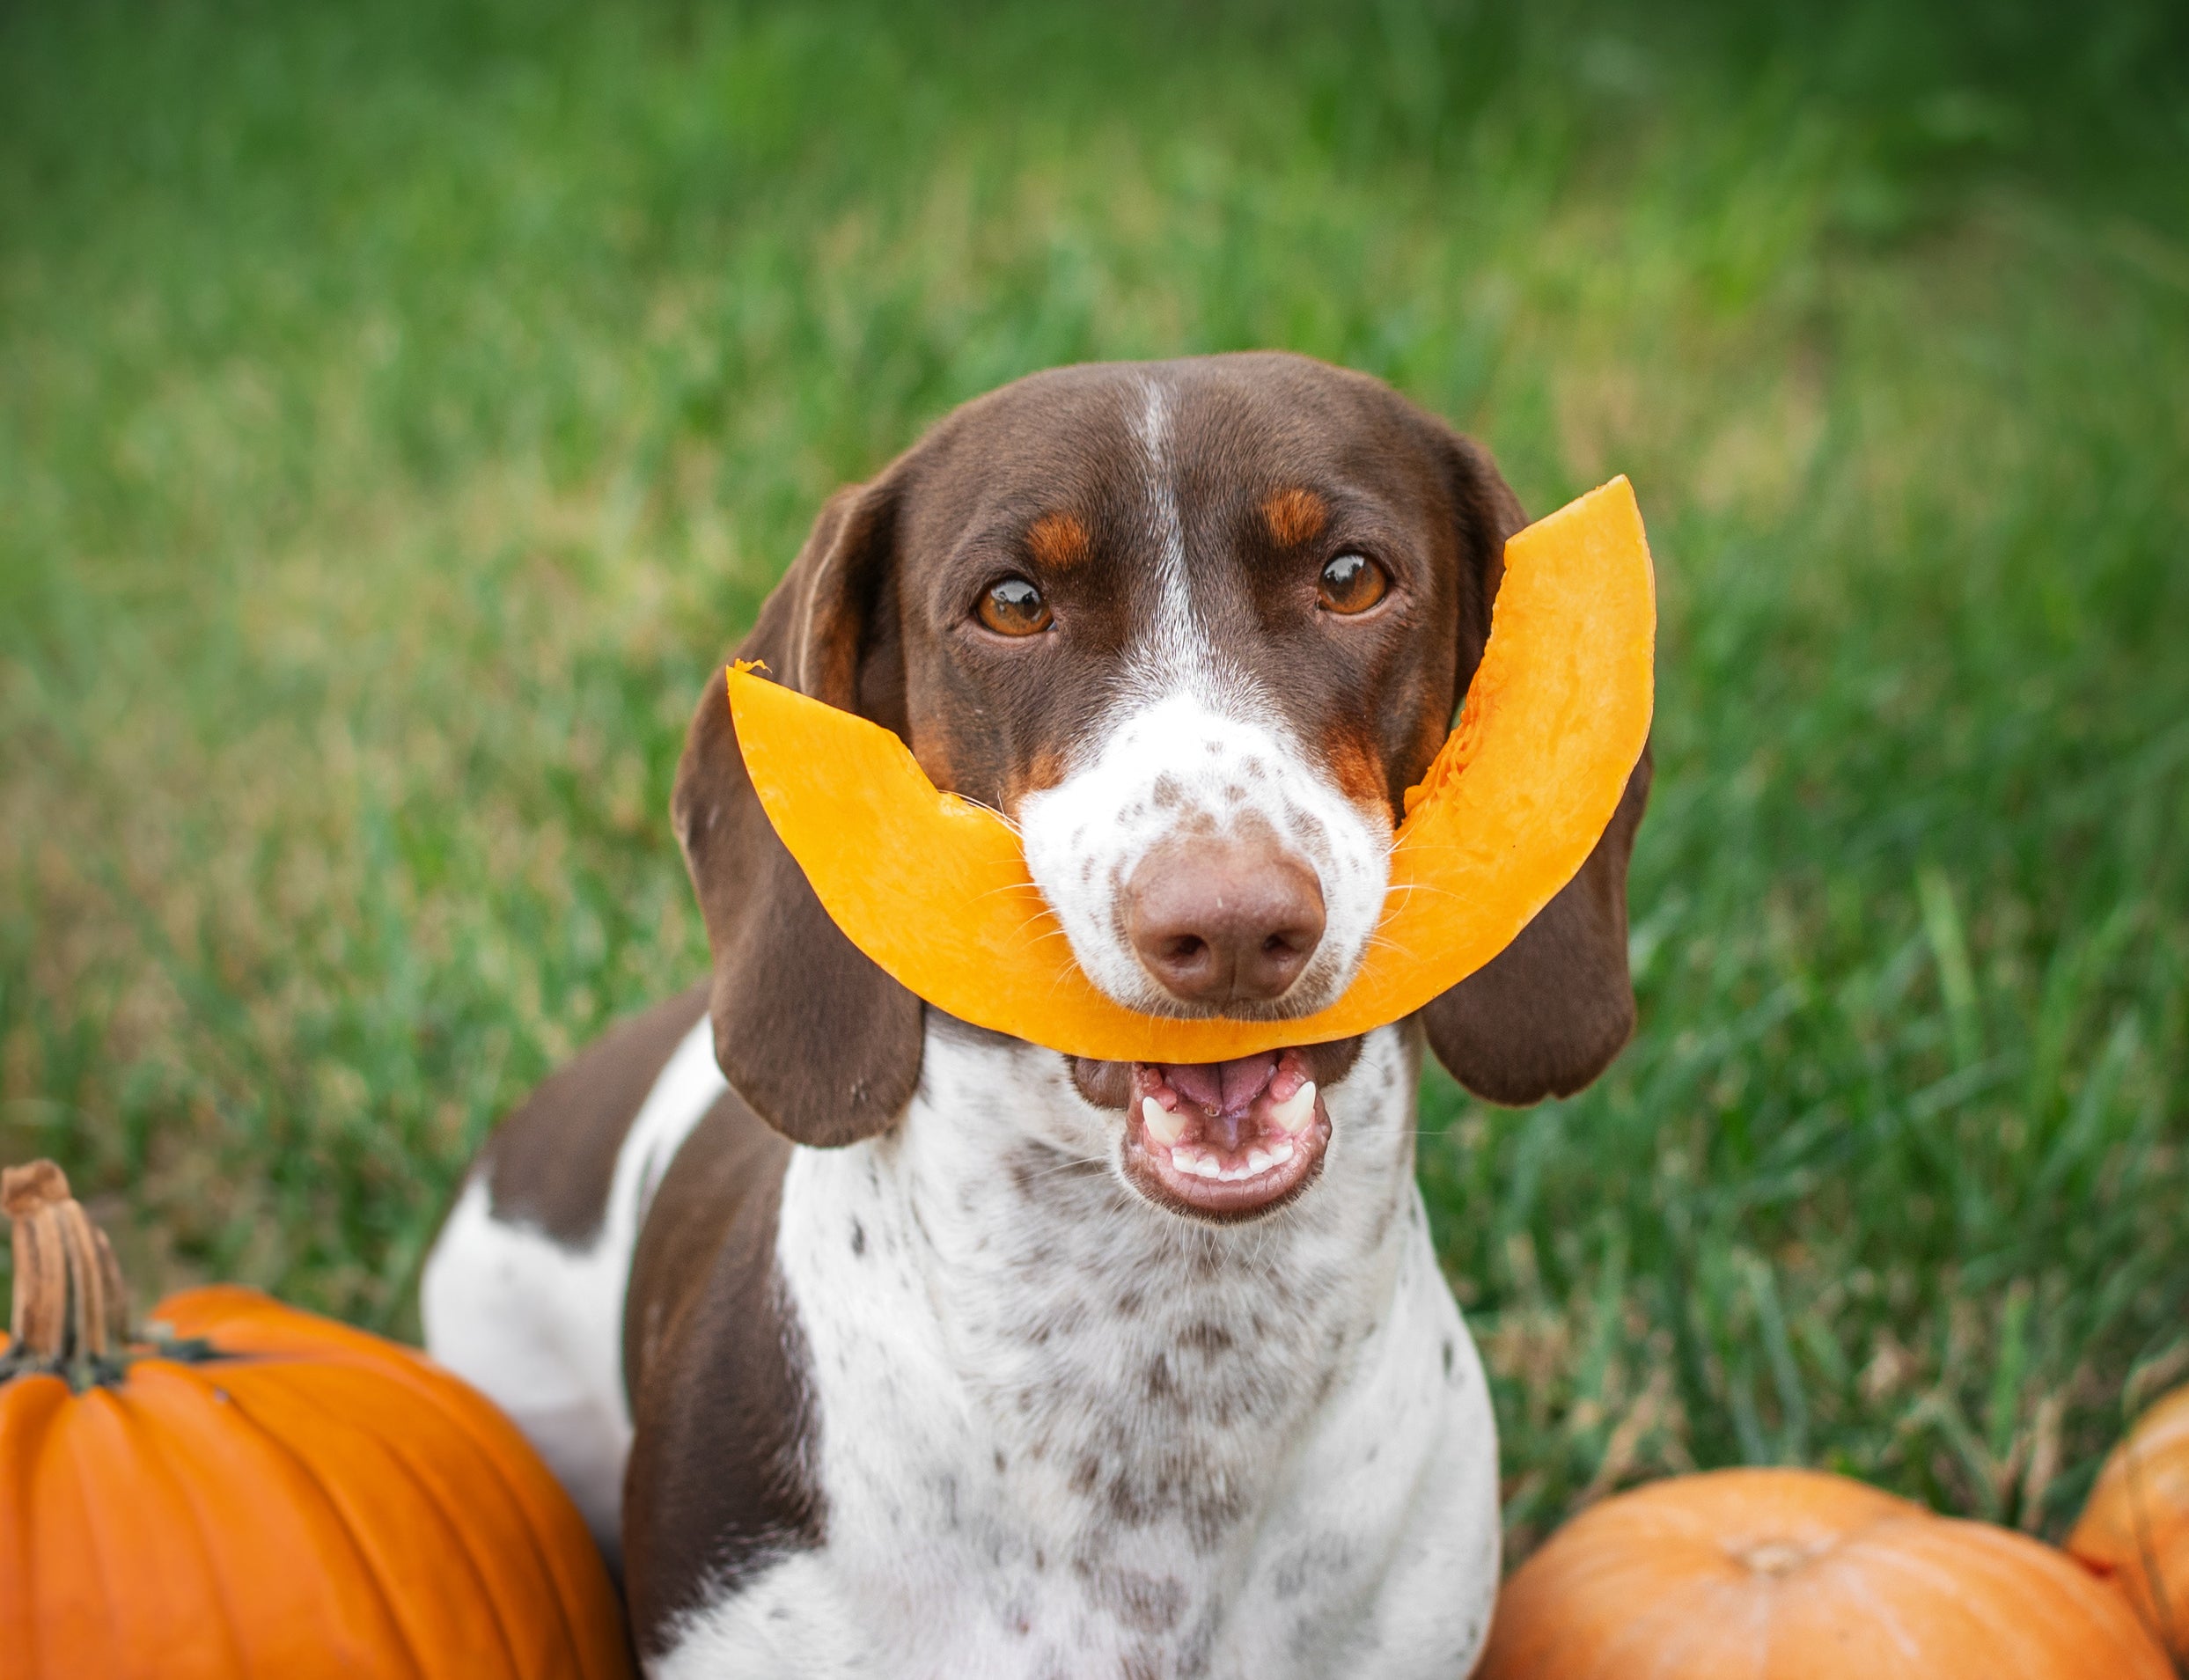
1014	607
1353	583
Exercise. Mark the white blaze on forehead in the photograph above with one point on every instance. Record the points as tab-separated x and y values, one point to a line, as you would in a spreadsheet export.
1171	644
1192	745
1172	650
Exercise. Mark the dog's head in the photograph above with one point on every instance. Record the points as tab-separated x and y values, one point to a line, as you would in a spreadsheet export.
1195	626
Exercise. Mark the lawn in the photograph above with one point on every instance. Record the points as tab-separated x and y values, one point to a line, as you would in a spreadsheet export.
402	405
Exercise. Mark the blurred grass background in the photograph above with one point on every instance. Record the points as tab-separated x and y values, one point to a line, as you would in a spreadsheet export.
402	405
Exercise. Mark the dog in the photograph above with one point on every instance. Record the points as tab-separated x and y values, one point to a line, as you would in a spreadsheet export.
871	1343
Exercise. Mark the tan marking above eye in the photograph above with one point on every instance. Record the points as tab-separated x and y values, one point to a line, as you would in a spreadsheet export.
1352	583
1058	539
1294	515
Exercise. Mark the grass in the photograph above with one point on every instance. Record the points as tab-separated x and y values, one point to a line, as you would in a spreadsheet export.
400	407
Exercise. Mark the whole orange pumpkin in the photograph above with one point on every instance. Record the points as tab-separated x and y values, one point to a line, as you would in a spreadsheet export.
246	1490
1790	1574
2134	1530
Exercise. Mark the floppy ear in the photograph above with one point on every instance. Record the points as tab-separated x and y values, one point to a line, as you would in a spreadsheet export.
1548	1014
818	1041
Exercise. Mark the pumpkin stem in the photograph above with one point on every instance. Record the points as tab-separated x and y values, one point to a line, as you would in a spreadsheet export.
70	1305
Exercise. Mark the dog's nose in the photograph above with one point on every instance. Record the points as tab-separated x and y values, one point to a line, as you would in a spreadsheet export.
1224	920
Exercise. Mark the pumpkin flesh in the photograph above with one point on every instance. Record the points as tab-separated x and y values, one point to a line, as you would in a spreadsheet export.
935	889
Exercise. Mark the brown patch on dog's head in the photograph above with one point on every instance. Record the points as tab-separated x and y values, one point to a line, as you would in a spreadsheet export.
1294	515
1058	540
1040	773
1358	769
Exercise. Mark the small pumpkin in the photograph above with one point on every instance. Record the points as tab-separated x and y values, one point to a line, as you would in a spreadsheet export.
2135	1530
1554	722
1794	1574
246	1490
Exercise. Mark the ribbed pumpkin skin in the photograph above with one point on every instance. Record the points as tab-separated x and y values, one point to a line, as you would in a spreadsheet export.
2136	1524
326	1503
1783	1575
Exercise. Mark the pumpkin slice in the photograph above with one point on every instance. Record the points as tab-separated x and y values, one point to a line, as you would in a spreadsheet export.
935	888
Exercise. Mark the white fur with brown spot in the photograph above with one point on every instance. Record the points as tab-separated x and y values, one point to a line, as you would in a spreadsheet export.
1062	1431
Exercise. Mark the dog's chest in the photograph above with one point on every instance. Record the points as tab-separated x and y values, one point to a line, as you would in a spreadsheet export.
1062	1433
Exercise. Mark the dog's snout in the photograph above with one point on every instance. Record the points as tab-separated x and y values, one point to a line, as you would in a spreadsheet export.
1222	921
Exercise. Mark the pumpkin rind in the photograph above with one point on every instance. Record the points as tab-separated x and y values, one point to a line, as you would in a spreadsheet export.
935	890
2135	1528
313	1501
1789	1575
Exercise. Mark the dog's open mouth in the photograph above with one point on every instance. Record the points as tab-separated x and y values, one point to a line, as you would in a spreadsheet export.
1226	1138
1222	1140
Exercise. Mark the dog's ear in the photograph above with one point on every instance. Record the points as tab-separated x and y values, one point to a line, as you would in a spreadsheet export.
816	1039
1548	1014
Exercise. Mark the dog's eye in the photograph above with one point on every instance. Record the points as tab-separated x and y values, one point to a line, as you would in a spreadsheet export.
1353	583
1014	607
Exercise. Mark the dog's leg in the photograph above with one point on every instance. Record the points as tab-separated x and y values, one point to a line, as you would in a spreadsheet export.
523	1293
514	1314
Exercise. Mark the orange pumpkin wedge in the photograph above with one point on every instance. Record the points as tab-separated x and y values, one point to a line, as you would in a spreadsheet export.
935	889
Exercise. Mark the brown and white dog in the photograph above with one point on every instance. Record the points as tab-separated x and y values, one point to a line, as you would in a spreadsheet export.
875	1344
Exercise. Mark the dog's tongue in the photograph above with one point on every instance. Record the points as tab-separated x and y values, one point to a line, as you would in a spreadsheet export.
1226	1137
1221	1087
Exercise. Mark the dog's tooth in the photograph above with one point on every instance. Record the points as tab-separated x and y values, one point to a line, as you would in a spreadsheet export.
1162	1125
1281	1154
1207	1167
1297	1111
1257	1160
